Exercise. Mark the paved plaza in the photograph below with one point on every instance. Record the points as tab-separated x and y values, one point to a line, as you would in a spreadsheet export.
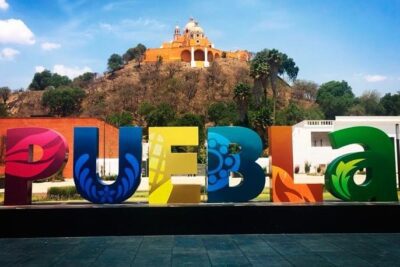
205	250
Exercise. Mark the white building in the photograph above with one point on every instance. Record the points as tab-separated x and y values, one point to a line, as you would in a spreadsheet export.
311	143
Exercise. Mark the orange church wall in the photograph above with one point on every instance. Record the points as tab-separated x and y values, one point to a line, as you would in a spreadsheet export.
167	54
108	135
174	54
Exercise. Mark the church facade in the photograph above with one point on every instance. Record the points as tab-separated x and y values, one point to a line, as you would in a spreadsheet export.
191	46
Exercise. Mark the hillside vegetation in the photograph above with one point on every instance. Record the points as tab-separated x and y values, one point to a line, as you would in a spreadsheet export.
186	89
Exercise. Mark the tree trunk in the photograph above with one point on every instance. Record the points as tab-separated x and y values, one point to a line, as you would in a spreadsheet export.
274	95
259	92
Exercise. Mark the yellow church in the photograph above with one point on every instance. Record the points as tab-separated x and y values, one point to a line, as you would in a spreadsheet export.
191	46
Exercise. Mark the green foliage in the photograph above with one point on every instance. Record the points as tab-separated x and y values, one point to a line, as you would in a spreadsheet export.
335	98
84	79
391	104
307	167
291	115
162	115
242	91
145	108
115	62
241	96
261	118
313	113
3	110
304	90
5	93
135	53
62	193
222	113
44	79
370	100
63	101
294	113
368	104
120	119
266	66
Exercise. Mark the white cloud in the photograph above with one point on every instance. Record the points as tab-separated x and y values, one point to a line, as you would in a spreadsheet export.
8	53
15	31
3	5
71	72
47	46
375	78
130	25
39	68
105	26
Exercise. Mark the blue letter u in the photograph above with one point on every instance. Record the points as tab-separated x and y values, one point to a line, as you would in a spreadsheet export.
88	182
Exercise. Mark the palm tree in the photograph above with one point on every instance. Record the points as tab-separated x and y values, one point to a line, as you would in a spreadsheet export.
267	65
260	71
241	95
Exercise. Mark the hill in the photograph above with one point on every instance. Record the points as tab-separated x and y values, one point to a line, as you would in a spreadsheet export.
185	89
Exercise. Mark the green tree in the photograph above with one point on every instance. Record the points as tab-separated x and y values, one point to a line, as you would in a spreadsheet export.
370	102
115	62
222	113
313	113
57	80
3	110
162	115
145	108
63	101
241	96
291	115
44	79
40	80
294	113
335	98
135	53
391	104
84	79
304	90
120	119
267	65
260	119
5	93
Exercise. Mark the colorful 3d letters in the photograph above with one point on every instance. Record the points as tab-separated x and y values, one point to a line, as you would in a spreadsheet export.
163	163
283	188
378	159
23	165
88	182
221	163
21	169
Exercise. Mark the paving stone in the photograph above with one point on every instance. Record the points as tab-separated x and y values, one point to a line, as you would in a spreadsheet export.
205	250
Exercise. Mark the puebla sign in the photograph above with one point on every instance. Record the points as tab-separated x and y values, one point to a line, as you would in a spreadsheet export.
377	158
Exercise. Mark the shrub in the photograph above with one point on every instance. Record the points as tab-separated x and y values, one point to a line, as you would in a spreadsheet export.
62	193
307	167
296	169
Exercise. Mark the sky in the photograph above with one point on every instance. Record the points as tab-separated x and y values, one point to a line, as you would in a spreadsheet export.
353	40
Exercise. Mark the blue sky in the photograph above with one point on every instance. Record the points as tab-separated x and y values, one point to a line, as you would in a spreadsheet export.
353	40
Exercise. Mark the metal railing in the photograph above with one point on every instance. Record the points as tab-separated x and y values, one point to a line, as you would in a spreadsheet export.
319	123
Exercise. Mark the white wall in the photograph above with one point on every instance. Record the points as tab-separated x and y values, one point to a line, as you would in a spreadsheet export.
304	151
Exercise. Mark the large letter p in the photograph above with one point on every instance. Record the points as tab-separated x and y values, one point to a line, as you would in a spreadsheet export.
22	169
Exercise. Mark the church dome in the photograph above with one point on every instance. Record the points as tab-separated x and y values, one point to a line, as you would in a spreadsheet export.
193	26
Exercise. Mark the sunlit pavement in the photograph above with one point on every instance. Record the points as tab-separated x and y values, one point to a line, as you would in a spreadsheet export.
205	250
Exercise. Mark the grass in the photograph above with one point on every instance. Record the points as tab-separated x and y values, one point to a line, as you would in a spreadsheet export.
69	194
